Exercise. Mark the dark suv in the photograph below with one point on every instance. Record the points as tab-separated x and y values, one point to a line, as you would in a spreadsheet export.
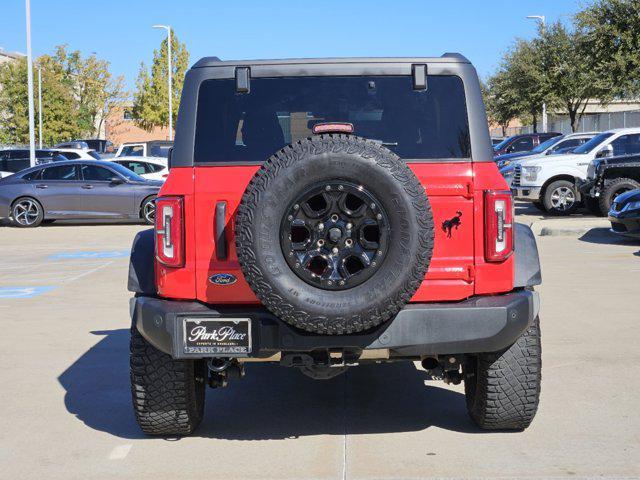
326	213
522	143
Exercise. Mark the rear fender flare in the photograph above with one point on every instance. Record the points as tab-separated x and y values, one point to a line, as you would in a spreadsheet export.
141	264
527	261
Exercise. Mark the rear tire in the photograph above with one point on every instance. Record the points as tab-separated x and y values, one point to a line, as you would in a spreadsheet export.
613	189
148	210
560	198
26	212
168	394
502	389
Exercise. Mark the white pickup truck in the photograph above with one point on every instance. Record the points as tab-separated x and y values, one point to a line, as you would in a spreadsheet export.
549	181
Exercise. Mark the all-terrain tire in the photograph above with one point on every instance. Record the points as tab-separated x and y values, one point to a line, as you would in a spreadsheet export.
320	160
613	189
168	394
502	389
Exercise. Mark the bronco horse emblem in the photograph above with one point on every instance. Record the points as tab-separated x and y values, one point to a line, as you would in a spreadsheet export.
448	225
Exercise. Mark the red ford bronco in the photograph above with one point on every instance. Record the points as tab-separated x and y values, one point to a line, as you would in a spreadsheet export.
325	213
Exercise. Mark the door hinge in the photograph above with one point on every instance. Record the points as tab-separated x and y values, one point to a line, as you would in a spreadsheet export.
471	274
468	190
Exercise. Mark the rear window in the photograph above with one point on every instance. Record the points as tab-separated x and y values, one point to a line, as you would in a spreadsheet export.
429	124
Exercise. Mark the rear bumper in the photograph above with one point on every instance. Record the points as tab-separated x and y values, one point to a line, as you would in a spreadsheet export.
478	324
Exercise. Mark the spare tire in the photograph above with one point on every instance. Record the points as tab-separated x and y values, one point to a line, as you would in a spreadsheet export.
334	234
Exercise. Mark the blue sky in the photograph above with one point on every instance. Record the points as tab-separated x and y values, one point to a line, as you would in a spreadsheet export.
120	31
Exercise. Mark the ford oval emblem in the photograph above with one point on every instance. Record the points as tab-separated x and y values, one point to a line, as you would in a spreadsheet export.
223	279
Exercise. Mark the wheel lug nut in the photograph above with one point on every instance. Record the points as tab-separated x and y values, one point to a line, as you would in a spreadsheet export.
334	218
349	226
329	282
340	187
297	265
341	282
334	250
348	242
321	226
328	187
296	206
373	264
290	217
379	216
373	206
320	242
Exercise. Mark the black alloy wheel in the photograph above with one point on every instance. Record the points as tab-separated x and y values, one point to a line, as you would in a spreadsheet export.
335	235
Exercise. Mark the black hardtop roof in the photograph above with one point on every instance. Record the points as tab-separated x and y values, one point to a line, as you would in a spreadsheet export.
216	62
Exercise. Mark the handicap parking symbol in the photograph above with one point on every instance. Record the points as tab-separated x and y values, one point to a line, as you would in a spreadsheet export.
23	292
82	255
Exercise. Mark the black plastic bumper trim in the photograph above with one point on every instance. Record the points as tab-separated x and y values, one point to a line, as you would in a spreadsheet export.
478	324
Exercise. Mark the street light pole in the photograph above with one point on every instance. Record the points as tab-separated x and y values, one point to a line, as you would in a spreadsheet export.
32	136
40	106
543	21
168	29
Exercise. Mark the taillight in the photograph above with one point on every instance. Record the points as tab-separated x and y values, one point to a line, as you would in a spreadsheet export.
170	231
498	225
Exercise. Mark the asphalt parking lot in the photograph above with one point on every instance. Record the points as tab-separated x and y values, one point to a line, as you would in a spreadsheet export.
66	403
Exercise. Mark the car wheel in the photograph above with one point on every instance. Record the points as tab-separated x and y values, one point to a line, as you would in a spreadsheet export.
502	389
168	394
613	189
148	210
560	198
26	212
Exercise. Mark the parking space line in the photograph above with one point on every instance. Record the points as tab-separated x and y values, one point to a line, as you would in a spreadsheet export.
120	452
88	272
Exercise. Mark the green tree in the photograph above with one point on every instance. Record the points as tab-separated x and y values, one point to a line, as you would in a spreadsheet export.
14	126
151	100
610	31
501	100
76	95
569	79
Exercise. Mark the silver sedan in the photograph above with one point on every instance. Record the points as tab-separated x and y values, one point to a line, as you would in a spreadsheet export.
76	190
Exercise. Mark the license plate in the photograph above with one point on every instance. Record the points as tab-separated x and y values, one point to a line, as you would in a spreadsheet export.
220	336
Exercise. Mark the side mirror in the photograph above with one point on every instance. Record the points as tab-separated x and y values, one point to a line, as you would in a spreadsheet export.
510	149
606	151
116	181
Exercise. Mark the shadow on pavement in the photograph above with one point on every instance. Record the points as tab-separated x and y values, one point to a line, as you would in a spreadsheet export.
604	237
271	402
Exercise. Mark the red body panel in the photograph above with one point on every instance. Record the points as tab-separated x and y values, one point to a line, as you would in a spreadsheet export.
457	269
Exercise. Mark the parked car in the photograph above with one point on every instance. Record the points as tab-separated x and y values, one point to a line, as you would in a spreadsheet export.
97	144
154	148
77	153
606	179
282	236
75	144
15	160
554	145
151	168
76	189
524	142
549	181
624	214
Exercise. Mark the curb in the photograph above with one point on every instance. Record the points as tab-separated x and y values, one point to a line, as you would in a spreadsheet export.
566	228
